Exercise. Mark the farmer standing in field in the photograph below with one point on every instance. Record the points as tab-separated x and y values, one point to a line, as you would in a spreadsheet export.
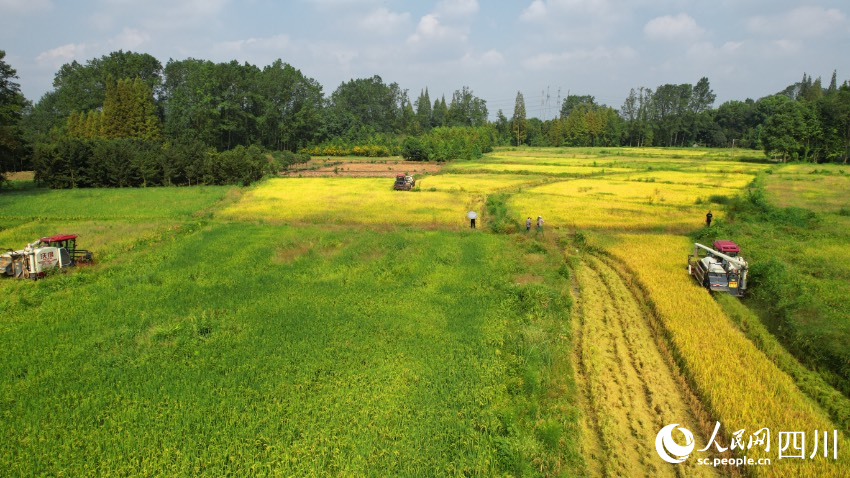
708	219
528	224
472	215
539	224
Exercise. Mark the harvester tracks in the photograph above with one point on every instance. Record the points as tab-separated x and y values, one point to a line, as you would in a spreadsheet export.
629	388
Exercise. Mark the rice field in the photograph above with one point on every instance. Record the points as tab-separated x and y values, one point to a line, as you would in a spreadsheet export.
332	326
741	387
367	201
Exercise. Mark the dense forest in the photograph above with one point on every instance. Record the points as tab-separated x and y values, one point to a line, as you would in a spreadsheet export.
124	119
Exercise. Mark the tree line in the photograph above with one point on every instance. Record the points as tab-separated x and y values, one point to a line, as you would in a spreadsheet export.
125	100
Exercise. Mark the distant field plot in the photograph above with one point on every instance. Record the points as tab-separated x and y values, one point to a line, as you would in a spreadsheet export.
729	167
129	203
611	204
560	211
350	201
714	179
529	168
807	168
478	183
818	192
615	190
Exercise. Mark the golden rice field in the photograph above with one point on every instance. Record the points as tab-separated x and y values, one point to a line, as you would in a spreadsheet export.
368	201
697	178
477	183
619	205
741	387
527	168
630	342
630	391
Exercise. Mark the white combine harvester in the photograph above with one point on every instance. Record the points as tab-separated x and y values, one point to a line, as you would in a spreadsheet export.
720	268
43	255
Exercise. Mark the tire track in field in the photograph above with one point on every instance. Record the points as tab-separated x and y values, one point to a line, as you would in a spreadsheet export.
629	390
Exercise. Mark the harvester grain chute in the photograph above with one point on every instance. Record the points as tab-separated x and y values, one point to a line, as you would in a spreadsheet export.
720	268
39	257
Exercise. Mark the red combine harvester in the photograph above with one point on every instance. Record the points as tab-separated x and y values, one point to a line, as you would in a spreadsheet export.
720	268
404	182
43	255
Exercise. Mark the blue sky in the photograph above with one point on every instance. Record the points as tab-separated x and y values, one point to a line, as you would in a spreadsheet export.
544	48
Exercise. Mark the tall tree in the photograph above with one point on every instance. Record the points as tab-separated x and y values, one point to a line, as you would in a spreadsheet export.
440	112
519	124
466	109
12	105
423	110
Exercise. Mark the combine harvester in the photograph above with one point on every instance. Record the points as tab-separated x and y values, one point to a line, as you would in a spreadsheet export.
720	268
48	253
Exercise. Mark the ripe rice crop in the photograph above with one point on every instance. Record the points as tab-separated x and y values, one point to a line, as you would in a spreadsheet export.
699	178
528	168
740	387
612	204
478	183
350	201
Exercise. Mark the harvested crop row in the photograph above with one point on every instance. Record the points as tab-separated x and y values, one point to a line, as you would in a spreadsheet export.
630	392
741	388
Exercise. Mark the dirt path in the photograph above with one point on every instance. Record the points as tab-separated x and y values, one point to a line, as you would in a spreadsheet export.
630	391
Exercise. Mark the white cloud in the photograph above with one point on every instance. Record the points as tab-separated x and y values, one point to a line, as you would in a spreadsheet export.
431	31
540	10
673	27
24	6
534	12
457	8
61	54
129	39
705	51
384	21
807	21
487	59
242	48
547	61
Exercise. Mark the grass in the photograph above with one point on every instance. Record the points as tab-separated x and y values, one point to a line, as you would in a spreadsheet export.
133	204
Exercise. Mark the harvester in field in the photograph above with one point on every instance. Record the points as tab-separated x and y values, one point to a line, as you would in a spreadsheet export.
39	257
404	182
720	268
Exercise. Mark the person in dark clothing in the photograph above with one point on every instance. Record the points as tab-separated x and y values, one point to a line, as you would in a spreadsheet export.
708	219
528	224
472	223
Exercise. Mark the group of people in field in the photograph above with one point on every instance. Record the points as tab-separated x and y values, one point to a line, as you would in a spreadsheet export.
472	216
539	224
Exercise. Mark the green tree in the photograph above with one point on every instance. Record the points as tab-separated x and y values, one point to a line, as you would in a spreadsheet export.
466	109
519	124
12	106
423	110
440	113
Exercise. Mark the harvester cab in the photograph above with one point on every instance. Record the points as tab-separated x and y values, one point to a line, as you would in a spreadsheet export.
404	182
43	255
719	268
